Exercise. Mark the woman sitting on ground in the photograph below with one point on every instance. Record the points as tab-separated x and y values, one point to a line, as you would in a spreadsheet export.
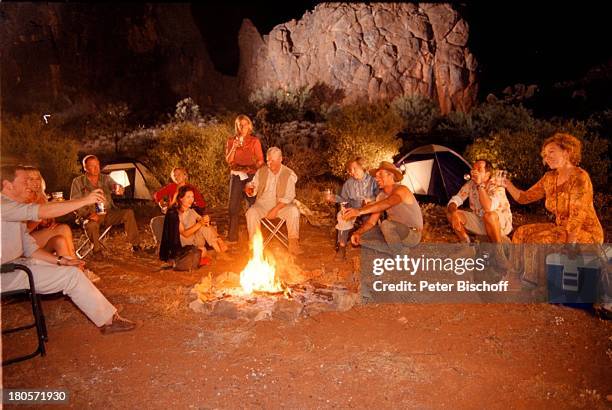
184	227
357	191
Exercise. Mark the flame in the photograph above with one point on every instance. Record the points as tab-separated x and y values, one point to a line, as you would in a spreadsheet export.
259	274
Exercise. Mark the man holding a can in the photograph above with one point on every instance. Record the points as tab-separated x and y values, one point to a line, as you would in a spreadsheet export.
103	212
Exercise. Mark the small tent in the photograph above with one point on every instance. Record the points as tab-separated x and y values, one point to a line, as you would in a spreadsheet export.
433	170
138	181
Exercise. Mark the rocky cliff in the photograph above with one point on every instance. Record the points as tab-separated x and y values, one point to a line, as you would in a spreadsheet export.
68	57
370	51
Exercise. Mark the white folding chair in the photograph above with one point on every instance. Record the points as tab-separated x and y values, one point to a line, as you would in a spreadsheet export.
157	227
275	231
85	245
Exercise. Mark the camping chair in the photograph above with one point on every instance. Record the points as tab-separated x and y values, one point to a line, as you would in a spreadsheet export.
37	313
157	227
85	245
275	231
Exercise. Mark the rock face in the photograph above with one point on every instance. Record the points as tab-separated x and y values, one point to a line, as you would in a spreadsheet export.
59	56
370	51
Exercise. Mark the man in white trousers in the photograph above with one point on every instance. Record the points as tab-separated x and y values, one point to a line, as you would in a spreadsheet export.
274	187
51	273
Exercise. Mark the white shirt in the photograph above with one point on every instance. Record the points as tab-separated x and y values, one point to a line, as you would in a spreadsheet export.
16	241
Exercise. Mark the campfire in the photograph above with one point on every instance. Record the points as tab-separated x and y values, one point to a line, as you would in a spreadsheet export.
258	293
260	273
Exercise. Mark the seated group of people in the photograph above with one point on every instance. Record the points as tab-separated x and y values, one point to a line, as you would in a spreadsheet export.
55	272
566	188
31	237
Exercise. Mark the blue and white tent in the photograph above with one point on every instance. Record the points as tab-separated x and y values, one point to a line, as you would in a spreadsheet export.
434	171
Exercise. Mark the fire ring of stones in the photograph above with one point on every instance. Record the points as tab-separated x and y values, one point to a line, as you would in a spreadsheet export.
223	296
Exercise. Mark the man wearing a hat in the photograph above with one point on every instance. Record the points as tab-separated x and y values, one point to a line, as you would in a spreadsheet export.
404	223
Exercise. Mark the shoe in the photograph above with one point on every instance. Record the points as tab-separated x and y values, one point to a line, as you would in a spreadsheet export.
340	254
119	324
91	276
294	247
136	248
205	261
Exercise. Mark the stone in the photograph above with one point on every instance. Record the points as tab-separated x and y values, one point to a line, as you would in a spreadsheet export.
314	309
344	300
198	306
287	310
368	51
226	309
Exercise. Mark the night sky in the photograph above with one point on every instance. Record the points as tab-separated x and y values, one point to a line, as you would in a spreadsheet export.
528	42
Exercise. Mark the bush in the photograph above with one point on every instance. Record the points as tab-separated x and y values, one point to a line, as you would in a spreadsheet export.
310	103
187	110
29	141
518	152
281	105
418	112
200	149
363	130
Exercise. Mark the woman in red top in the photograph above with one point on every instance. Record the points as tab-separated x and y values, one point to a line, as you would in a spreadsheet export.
179	177
244	155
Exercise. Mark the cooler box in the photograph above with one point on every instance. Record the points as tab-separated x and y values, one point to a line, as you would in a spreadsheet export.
574	280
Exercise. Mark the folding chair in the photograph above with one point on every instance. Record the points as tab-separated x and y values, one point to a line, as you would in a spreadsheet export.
85	245
157	227
275	231
37	313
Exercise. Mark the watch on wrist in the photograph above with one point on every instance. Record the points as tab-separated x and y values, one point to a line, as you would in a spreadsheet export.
59	260
481	186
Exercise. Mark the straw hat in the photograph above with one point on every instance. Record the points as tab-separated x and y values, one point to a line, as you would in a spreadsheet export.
387	166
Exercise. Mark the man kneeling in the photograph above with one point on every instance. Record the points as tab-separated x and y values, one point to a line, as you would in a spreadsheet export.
274	187
404	224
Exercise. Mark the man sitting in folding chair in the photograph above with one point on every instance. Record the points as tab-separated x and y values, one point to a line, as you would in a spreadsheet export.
51	273
274	187
111	215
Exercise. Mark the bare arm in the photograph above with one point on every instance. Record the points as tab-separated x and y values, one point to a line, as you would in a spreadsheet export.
55	209
187	232
43	255
484	198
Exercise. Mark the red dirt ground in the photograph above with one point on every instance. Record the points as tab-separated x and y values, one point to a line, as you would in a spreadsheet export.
372	356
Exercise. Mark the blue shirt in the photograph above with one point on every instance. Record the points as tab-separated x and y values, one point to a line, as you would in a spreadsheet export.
354	191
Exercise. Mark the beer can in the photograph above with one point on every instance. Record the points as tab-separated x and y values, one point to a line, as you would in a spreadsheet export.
100	209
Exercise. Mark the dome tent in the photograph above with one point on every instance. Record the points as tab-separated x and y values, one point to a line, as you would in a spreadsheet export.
434	171
138	181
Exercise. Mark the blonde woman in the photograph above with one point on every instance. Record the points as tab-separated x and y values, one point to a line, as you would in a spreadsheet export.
568	194
48	234
244	155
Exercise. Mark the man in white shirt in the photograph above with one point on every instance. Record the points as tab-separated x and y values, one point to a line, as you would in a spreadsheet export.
51	273
490	210
274	188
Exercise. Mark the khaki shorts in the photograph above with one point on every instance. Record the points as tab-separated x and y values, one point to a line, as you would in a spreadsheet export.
474	223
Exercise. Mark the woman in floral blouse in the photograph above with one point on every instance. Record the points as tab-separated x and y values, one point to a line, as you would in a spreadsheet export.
568	194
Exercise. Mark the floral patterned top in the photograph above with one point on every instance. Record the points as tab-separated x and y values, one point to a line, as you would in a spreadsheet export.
499	202
571	202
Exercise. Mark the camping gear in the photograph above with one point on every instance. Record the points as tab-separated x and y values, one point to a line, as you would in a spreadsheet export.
137	180
435	171
573	280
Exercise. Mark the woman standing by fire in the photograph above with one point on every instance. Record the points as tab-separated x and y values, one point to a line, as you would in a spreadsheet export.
244	155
